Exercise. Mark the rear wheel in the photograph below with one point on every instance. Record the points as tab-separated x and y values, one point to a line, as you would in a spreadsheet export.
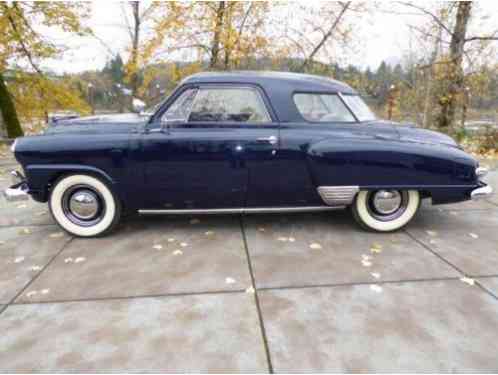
385	210
84	206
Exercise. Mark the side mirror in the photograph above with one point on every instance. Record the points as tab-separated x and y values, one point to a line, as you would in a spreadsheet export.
137	105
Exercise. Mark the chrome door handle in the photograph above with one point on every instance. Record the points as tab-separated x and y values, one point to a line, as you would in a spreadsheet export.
271	139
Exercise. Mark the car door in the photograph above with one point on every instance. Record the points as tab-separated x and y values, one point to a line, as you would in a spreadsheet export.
212	138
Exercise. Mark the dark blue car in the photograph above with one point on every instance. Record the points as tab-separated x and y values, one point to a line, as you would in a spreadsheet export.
243	142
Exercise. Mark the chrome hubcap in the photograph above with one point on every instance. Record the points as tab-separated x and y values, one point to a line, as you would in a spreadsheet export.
84	204
387	202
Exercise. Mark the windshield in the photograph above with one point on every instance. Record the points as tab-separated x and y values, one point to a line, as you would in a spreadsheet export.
359	107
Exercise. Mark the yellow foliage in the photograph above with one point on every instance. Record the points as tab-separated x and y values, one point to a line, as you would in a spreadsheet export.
35	96
23	46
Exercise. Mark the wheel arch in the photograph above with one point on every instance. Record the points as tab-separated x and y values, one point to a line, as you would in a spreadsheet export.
41	177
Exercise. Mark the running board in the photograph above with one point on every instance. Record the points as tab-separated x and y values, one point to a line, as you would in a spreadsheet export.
262	210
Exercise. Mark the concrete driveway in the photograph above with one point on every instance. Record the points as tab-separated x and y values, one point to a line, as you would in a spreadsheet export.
281	293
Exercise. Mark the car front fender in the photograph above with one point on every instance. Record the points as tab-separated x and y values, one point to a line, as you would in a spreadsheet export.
41	177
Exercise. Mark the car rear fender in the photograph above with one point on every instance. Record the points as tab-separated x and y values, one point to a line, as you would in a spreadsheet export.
379	163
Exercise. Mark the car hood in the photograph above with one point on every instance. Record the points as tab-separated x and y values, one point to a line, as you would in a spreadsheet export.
117	118
101	124
411	133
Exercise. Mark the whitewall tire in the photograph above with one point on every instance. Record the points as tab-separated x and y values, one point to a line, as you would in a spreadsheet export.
385	210
84	206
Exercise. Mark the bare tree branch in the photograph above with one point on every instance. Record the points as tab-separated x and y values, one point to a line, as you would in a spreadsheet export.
432	15
324	39
491	37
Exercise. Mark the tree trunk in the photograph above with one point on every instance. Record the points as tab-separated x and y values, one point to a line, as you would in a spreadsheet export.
9	113
135	5
430	79
215	46
455	71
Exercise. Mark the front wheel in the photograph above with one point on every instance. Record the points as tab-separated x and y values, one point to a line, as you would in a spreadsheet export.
385	210
84	206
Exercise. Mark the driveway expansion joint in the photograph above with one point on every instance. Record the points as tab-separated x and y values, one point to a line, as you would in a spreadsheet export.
434	252
118	298
6	226
256	297
35	277
358	283
486	290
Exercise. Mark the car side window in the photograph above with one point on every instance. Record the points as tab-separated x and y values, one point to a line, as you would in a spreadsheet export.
181	107
237	104
322	108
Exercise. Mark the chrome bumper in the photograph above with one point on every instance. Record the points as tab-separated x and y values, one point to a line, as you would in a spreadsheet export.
481	192
19	190
16	194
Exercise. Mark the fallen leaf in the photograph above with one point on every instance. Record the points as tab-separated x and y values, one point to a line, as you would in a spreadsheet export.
157	247
376	288
183	244
57	235
24	231
432	241
376	248
431	233
467	280
195	221
250	290
282	239
209	233
473	235
315	246
22	206
375	275
171	240
292	239
366	263
45	291
68	260
79	259
32	293
229	280
35	268
177	252
41	213
366	257
19	260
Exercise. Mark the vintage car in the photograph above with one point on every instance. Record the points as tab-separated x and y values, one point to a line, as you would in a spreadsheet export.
243	142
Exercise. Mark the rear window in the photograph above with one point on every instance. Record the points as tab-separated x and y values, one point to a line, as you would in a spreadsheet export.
322	108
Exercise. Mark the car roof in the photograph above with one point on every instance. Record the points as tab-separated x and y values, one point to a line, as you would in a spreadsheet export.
267	79
278	86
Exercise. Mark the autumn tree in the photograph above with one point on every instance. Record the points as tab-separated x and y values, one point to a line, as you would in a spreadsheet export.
453	45
224	34
136	16
29	92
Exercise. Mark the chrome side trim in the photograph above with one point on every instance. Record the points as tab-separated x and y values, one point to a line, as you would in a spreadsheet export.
338	195
258	210
481	192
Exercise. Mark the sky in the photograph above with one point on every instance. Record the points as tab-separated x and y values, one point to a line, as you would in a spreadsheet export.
382	35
